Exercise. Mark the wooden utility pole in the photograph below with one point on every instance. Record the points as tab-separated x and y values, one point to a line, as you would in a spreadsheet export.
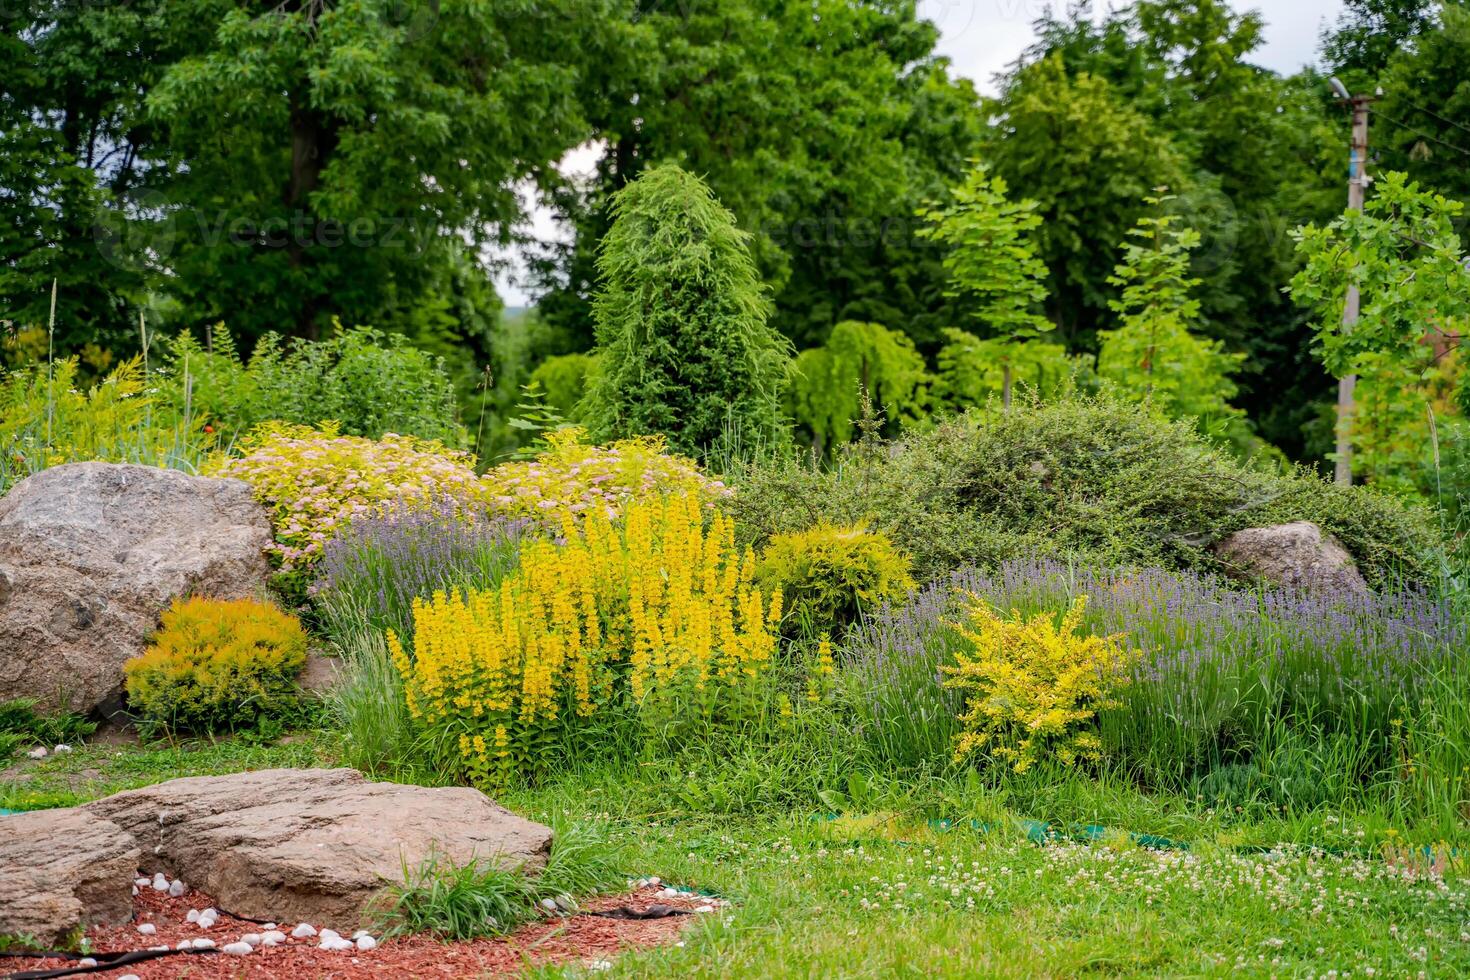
1357	182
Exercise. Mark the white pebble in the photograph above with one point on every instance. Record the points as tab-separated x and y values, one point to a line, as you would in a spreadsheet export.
176	888
236	949
252	938
303	931
86	961
135	889
268	927
203	943
272	937
39	752
548	904
160	948
160	883
128	976
147	929
329	934
212	912
668	893
142	882
366	943
184	944
63	747
192	917
705	908
655	880
360	933
599	965
206	922
337	944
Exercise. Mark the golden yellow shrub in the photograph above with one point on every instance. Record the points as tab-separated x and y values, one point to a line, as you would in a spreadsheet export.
217	665
655	615
1033	688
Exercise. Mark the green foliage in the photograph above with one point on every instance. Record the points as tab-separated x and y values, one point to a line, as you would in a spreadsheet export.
485	899
218	666
1155	356
828	383
830	576
822	127
992	262
682	337
971	371
1086	157
1093	477
45	420
565	379
1403	253
21	725
369	383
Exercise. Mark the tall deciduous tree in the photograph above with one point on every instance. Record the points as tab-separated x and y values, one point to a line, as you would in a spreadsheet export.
683	344
991	260
1405	257
1154	355
820	125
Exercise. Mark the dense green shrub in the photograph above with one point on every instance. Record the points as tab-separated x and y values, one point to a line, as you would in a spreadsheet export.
217	666
828	576
1090	477
368	382
564	379
684	348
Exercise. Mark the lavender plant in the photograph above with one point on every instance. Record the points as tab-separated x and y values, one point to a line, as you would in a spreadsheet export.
1222	673
370	574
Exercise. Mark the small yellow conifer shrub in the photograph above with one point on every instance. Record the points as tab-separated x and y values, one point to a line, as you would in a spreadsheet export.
1032	688
830	575
655	615
217	665
572	477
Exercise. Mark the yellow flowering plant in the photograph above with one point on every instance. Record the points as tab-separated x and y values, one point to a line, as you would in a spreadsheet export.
1033	688
572	477
654	617
831	575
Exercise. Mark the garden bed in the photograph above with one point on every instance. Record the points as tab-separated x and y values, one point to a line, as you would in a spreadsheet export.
581	937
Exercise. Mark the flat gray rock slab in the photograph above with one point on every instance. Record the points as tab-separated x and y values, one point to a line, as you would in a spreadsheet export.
314	845
61	871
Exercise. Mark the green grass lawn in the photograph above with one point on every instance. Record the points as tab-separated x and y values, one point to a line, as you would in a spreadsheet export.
888	893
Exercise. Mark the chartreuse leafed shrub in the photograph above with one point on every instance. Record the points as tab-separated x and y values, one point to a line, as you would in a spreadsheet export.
573	478
217	665
1091	478
316	481
368	383
1033	689
830	575
858	360
648	626
45	420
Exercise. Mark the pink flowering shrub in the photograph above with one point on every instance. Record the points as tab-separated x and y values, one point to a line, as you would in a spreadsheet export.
316	482
571	478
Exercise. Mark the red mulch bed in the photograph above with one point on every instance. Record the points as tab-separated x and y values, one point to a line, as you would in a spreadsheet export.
574	938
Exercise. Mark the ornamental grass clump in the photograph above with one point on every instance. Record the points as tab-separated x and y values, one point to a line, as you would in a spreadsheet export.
650	625
573	478
316	482
1033	688
217	666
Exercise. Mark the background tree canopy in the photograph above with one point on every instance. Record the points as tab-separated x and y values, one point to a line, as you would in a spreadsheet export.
270	166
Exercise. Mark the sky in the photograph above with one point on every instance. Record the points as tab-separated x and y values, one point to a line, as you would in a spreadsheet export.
983	37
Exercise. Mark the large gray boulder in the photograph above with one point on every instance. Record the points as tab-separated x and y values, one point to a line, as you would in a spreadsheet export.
1298	555
61	871
92	553
315	845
